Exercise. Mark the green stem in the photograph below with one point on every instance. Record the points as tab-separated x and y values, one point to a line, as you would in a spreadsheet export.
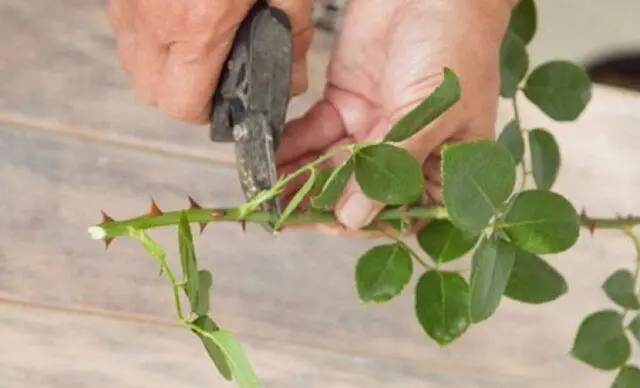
413	253
119	228
176	290
277	188
627	230
160	255
608	223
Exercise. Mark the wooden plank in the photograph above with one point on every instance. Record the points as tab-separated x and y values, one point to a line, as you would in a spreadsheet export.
297	288
53	349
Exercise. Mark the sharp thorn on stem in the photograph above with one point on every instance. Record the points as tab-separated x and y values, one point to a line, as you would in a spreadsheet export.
154	210
243	225
107	241
193	204
105	217
202	226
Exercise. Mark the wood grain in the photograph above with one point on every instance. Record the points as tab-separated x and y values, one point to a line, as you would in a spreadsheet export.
74	140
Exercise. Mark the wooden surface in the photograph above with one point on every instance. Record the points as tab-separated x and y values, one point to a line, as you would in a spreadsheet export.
74	140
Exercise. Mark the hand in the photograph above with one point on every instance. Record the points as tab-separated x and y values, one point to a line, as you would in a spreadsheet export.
388	57
173	51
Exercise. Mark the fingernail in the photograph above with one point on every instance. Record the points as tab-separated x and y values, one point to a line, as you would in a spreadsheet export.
356	212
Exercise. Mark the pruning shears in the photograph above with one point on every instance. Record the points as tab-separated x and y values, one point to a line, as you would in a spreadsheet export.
250	102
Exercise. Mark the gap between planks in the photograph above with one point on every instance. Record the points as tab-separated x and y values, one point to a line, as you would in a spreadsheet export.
94	135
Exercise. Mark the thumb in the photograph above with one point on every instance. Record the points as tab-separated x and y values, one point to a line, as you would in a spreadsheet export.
354	209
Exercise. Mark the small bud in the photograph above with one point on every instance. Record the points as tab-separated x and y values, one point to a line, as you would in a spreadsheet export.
96	233
154	210
217	214
105	217
193	204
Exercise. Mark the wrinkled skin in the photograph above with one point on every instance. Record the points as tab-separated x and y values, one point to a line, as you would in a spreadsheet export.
388	56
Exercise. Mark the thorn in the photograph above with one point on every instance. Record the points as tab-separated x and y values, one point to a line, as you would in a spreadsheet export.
154	211
193	204
105	217
107	242
243	224
583	214
202	226
592	228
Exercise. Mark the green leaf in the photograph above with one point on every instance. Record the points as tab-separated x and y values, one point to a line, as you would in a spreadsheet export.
542	222
478	177
628	377
442	98
514	63
322	176
601	342
389	174
215	353
441	305
297	199
524	20
204	283
334	186
634	327
188	260
511	139
545	158
533	280
561	89
490	270
237	359
382	272
444	242
619	287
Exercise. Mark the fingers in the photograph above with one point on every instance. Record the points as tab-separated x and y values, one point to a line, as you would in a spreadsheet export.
188	80
314	131
338	115
196	54
174	51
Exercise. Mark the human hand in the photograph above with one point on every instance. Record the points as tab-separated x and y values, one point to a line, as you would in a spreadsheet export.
173	51
388	57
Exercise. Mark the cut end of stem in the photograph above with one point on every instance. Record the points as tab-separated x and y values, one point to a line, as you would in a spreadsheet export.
97	233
